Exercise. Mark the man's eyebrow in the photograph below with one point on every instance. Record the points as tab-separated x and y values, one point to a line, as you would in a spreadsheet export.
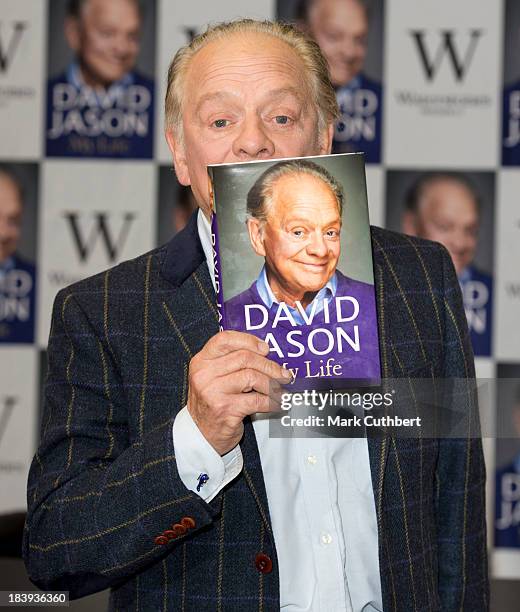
273	95
282	92
217	96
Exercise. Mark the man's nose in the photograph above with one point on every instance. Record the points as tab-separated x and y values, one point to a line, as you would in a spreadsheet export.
252	141
348	49
121	46
317	245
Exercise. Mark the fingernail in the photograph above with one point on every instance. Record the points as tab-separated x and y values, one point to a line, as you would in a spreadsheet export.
287	374
263	347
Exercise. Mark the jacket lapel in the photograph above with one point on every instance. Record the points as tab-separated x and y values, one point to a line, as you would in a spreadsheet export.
378	444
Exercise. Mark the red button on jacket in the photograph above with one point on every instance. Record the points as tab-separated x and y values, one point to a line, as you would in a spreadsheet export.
188	522
263	563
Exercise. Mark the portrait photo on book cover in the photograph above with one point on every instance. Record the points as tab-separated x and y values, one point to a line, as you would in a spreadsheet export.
100	89
296	263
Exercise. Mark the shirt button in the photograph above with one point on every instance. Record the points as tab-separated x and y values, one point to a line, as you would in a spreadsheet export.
326	538
312	459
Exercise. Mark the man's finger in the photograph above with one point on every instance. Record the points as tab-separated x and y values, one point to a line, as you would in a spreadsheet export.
245	381
243	358
251	403
227	341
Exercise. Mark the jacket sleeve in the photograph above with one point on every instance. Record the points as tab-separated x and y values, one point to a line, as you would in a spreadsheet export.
460	498
97	499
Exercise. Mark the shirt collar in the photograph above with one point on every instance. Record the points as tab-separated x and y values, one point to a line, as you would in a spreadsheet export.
326	293
7	265
465	275
352	85
74	77
204	229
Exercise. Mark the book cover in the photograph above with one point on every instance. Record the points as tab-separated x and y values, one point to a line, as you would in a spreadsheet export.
293	263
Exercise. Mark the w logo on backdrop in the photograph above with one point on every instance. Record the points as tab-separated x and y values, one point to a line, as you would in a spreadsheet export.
10	42
86	238
448	48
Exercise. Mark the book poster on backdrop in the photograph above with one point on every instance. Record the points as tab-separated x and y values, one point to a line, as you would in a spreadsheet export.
100	89
350	35
511	91
457	210
18	225
506	528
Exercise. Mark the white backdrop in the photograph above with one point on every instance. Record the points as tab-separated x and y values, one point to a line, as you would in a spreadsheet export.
442	90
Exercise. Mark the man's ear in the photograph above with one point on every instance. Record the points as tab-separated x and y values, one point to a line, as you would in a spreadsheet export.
72	33
255	236
409	223
326	136
179	158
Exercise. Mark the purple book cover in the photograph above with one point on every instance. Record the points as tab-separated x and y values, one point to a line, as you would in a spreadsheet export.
293	263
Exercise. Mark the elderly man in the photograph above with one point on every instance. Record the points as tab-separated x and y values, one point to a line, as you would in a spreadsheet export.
294	222
445	207
17	275
150	479
340	27
101	106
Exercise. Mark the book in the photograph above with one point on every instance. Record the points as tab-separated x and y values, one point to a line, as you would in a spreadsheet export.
293	263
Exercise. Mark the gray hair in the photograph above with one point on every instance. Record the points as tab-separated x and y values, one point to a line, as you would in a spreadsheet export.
261	193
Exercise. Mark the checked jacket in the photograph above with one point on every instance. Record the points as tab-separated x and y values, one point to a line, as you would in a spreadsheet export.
104	482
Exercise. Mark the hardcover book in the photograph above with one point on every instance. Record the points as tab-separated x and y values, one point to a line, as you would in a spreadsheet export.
293	263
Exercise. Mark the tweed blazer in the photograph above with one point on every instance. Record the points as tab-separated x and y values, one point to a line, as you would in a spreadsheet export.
104	482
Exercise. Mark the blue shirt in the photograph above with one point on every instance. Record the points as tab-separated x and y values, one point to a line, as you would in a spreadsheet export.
325	294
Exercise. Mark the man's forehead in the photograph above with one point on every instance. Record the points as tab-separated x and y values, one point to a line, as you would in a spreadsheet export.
293	191
333	9
448	189
236	57
9	193
102	9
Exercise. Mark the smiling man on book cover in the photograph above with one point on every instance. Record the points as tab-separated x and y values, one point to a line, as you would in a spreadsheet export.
317	321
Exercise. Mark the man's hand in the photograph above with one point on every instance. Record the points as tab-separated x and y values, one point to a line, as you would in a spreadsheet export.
229	379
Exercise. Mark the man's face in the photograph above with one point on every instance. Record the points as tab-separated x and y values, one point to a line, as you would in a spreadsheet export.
245	98
340	27
300	239
106	39
447	212
10	217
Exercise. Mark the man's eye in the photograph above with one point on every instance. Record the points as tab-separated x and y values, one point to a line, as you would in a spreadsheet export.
220	123
332	234
282	119
297	233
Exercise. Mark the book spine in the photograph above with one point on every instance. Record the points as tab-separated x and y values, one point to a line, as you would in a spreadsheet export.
216	260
